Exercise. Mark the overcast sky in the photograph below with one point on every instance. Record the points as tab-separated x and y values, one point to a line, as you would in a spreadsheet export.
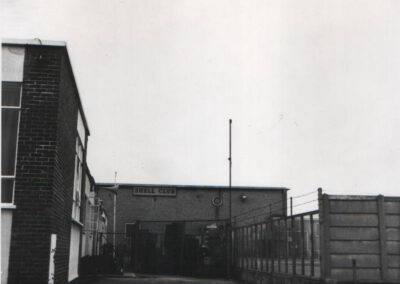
312	88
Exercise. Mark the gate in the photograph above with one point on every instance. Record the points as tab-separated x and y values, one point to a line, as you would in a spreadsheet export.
278	248
189	248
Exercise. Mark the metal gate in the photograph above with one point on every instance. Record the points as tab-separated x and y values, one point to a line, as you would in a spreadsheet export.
190	248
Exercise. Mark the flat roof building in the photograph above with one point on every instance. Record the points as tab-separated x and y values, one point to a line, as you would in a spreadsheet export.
156	221
44	174
53	212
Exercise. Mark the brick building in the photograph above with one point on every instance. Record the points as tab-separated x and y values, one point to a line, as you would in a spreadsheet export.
51	214
44	177
148	216
94	220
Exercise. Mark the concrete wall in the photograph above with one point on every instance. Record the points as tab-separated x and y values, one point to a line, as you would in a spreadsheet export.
364	229
359	242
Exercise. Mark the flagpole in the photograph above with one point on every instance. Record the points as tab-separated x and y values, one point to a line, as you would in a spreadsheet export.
230	170
229	245
115	212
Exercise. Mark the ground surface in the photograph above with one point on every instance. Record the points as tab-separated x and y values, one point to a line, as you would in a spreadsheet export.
160	280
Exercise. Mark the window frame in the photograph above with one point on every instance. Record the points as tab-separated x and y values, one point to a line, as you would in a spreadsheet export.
18	108
78	181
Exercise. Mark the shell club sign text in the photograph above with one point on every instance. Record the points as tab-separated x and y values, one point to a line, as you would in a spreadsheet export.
154	191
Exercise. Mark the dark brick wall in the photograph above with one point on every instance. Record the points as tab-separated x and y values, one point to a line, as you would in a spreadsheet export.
45	167
30	241
64	170
190	203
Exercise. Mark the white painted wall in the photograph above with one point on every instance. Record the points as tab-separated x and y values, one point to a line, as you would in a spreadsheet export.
74	252
6	221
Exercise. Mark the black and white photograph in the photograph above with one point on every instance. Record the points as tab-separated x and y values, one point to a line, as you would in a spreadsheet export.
200	141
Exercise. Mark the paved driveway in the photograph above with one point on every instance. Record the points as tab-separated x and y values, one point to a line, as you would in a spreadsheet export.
160	280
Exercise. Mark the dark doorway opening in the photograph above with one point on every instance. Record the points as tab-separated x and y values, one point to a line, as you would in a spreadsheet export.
188	248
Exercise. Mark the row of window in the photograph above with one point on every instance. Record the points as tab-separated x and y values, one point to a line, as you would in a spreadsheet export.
78	177
76	198
10	117
10	113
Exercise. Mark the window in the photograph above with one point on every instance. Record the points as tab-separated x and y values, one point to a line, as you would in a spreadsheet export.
76	198
10	113
81	128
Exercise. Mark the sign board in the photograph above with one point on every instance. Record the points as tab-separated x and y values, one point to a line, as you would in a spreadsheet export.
154	191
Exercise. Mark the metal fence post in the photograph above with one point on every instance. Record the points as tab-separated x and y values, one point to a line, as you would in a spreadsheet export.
235	247
312	243
293	247
242	252
182	229
382	237
272	246
262	243
286	247
246	237
256	245
354	267
291	206
324	209
267	249
228	233
137	245
252	247
302	246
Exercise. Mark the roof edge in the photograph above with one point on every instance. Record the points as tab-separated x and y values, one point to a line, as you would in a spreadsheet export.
35	41
192	186
51	43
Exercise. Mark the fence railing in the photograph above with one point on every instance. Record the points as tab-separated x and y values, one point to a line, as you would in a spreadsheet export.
349	238
285	245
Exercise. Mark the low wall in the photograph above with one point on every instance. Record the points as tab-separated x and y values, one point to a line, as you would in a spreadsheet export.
360	238
256	277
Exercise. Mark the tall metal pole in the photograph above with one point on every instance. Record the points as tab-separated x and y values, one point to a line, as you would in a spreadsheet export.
229	231
291	206
230	170
115	212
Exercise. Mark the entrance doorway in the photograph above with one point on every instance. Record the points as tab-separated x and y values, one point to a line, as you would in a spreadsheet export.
189	248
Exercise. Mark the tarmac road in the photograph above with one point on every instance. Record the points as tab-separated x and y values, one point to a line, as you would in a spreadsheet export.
160	280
